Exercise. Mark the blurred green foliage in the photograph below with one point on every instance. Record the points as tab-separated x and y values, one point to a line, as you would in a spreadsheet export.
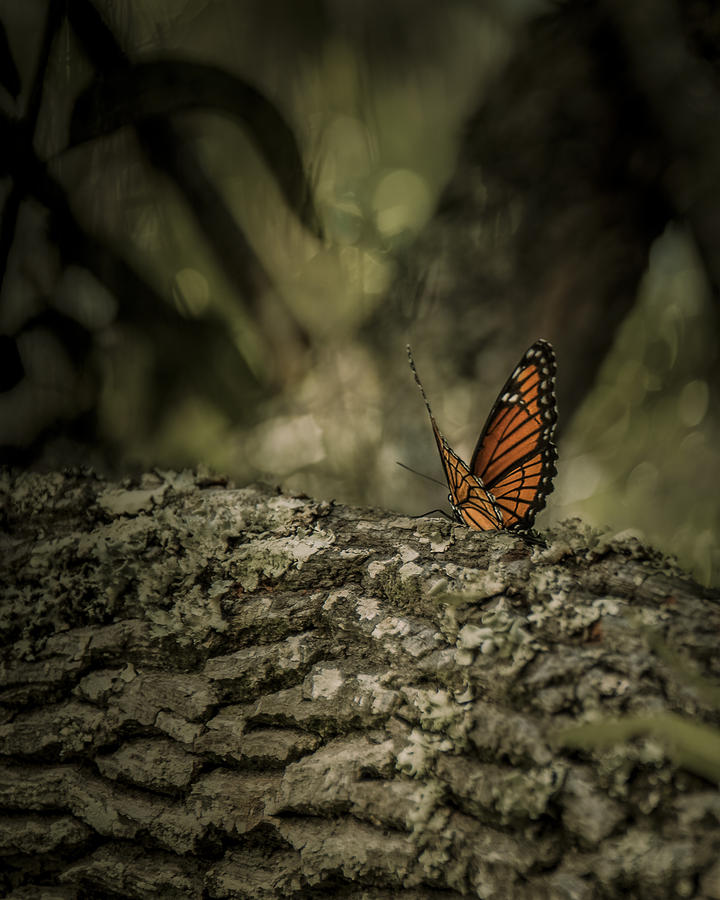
643	453
377	111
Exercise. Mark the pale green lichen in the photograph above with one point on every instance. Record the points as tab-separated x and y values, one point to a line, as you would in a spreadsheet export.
325	683
470	637
338	596
435	709
270	558
440	544
426	799
408	554
377	567
398	588
409	570
474	585
391	626
508	637
526	794
416	758
382	700
368	608
119	502
405	565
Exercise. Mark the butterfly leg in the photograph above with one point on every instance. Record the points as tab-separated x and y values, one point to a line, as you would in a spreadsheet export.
430	512
531	536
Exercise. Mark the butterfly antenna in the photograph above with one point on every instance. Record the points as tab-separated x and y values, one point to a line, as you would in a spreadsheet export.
421	474
419	384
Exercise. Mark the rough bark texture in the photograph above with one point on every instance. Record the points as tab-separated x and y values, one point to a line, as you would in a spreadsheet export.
210	692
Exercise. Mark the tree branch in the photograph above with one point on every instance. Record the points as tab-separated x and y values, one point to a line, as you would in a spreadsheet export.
238	693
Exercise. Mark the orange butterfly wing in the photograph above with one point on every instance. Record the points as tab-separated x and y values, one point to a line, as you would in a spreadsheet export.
513	464
515	454
471	502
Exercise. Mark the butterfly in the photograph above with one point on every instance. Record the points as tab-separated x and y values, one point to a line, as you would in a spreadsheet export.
513	464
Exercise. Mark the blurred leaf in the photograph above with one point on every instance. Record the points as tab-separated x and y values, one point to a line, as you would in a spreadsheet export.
692	747
196	355
8	141
74	337
683	668
11	367
96	38
9	75
136	93
124	89
192	355
11	162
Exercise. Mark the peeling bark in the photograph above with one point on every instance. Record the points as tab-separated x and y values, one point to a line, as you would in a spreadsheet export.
221	693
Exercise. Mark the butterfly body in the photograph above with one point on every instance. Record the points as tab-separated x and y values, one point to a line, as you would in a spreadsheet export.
513	464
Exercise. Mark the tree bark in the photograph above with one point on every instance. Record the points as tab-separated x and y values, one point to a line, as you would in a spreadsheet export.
235	693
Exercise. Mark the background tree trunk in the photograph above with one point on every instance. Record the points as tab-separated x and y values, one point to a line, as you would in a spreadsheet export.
209	692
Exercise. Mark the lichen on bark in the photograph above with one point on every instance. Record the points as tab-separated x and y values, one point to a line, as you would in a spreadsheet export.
218	692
